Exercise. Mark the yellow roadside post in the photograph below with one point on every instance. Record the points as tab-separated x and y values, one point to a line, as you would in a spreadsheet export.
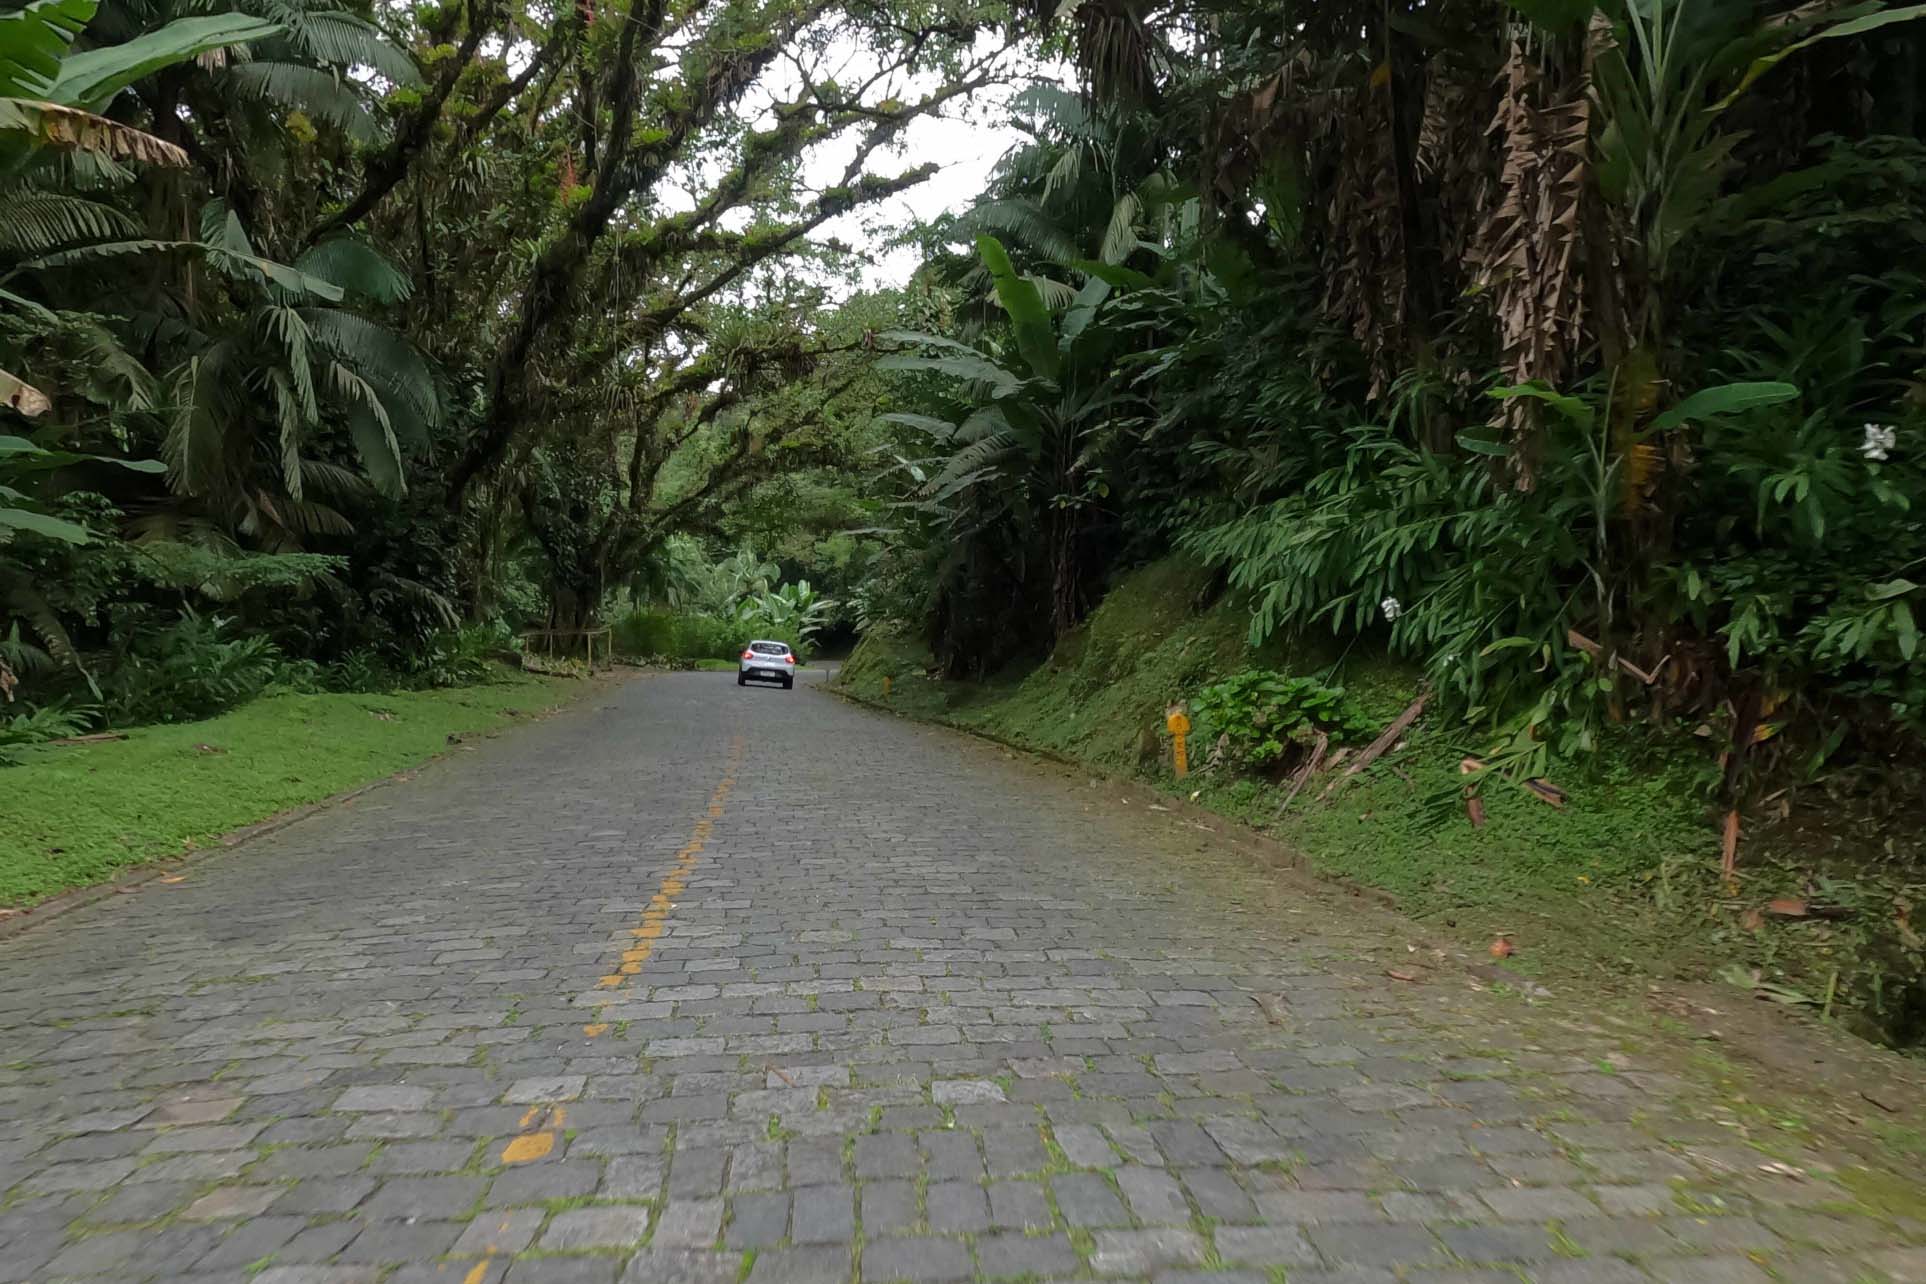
886	684
1179	726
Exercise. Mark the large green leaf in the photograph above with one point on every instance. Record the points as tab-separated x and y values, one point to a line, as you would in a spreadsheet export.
34	39
1572	408
91	79
941	429
1854	27
21	519
1727	398
1029	315
975	369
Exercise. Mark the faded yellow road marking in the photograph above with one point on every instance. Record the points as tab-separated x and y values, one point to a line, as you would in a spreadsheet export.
541	1126
476	1273
655	917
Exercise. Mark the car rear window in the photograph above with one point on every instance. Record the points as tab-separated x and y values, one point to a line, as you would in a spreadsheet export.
769	648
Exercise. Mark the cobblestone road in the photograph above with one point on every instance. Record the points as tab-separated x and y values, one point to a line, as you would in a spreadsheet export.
695	984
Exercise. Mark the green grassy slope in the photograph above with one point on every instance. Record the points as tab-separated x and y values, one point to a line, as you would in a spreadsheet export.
73	815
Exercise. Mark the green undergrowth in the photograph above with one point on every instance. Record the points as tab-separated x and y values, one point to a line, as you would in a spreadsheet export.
74	815
1623	879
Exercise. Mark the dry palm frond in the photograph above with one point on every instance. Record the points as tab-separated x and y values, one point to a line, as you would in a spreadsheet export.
1365	252
1527	253
70	128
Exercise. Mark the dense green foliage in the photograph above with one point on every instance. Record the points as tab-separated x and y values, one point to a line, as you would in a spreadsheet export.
1263	718
341	342
1561	352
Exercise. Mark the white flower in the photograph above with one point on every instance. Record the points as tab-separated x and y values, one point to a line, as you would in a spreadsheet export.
1391	607
1880	440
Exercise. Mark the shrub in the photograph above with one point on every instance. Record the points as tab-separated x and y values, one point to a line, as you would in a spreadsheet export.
1265	716
650	632
462	657
189	670
37	726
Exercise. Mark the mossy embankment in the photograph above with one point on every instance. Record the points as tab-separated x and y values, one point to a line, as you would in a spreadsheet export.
1620	882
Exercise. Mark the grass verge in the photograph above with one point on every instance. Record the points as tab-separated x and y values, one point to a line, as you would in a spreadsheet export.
74	815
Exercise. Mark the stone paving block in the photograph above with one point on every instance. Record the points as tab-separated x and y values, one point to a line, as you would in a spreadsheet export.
1039	1256
506	1231
249	1243
571	1270
758	1221
682	1266
595	1227
823	1264
1086	1199
823	1215
932	1260
1154	1196
1264	1246
889	1207
388	1098
1018	1205
688	1223
397	1243
1139	1252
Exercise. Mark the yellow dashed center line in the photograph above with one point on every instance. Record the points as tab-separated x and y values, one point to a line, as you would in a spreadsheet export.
655	918
540	1126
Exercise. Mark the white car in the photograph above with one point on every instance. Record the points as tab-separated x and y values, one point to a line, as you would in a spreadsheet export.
767	662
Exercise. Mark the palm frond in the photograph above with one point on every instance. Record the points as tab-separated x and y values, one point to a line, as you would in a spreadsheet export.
1120	237
71	129
110	364
35	222
344	40
373	433
1025	222
326	478
356	267
386	360
289	420
1056	295
196	444
321	95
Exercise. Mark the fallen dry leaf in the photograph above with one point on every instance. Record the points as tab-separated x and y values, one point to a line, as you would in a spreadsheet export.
1787	907
1502	948
1274	1006
1398	974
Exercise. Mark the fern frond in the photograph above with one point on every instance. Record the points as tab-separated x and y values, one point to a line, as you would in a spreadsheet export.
36	222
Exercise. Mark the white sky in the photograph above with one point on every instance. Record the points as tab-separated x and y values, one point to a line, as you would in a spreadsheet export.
967	142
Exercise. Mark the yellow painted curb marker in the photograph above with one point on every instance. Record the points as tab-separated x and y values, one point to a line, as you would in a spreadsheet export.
1179	726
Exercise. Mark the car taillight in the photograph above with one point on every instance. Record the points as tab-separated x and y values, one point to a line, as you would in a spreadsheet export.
748	655
789	659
